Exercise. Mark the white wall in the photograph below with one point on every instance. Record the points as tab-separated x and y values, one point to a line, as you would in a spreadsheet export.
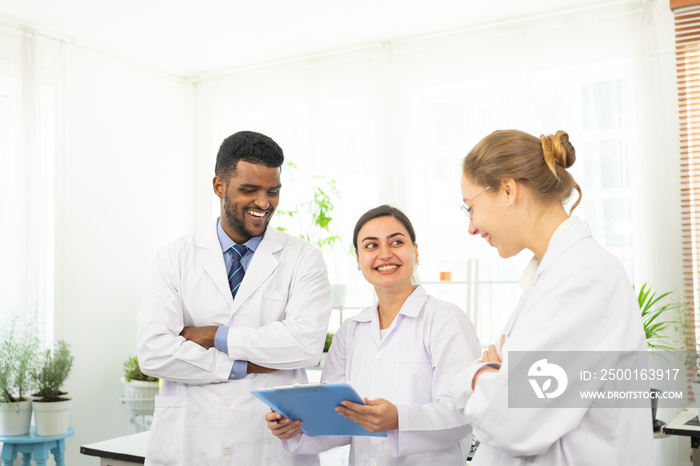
124	189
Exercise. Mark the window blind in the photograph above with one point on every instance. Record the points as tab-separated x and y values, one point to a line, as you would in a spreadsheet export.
687	32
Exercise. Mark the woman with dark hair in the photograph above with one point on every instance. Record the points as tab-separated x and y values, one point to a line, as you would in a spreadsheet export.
401	354
576	298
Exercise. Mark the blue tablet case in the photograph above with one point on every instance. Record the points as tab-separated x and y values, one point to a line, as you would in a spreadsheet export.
314	405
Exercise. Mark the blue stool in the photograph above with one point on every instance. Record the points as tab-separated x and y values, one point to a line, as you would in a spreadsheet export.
36	445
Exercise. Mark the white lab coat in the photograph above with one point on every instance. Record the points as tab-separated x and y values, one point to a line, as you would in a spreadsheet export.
578	299
279	319
428	343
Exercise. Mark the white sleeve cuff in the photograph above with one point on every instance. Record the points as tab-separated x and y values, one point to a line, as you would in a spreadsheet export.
462	384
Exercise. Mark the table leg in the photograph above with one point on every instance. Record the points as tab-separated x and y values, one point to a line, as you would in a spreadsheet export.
41	454
8	454
26	459
58	453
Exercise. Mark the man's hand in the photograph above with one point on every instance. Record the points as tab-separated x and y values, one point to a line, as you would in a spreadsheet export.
255	369
377	415
203	336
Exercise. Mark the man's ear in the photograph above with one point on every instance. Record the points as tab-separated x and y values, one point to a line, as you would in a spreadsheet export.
219	187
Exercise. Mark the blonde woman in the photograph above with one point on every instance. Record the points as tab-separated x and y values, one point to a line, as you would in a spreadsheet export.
576	297
401	354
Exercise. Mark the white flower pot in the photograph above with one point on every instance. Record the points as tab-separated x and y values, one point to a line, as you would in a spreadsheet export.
139	396
51	417
15	418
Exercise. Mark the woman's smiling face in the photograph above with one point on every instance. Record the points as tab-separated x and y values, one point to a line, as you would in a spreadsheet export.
385	253
491	218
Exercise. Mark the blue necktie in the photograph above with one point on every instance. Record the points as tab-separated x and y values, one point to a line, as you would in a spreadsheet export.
235	275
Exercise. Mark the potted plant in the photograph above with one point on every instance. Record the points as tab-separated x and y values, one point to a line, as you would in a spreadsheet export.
139	389
16	359
314	215
652	321
51	407
312	219
656	310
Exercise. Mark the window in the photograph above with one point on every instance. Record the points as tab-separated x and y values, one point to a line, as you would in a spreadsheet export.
449	120
27	153
687	21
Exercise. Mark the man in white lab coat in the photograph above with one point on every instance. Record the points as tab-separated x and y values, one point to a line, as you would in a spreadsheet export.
235	307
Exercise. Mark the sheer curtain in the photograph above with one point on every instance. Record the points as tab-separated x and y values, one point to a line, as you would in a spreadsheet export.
392	122
30	74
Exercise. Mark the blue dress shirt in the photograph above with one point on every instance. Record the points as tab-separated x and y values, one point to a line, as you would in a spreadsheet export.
240	368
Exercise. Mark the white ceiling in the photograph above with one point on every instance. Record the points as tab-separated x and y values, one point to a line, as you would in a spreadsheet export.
195	37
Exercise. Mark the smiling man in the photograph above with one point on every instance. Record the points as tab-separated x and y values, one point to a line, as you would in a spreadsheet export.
235	307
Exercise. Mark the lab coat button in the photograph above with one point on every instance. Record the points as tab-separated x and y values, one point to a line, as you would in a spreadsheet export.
227	403
227	452
378	355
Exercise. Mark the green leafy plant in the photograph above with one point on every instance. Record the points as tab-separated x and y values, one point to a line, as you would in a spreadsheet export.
132	371
17	359
653	306
327	344
314	216
51	372
684	326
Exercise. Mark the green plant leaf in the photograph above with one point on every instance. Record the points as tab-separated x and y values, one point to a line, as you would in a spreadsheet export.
653	309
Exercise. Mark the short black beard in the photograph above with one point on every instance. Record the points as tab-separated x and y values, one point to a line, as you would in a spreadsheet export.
235	223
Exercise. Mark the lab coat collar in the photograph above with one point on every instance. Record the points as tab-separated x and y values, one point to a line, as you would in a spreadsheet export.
261	266
226	242
570	232
411	307
212	260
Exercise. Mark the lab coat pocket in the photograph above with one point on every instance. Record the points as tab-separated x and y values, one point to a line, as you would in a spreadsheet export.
273	306
413	378
168	430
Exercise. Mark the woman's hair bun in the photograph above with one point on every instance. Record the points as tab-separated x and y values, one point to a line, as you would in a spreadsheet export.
557	150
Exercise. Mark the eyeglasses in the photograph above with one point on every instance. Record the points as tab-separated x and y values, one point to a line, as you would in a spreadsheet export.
468	210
